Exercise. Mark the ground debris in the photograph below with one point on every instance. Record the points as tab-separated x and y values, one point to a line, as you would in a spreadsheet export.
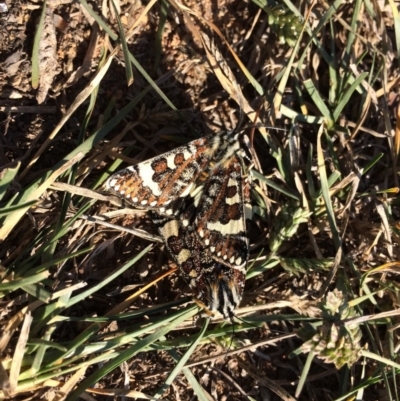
48	64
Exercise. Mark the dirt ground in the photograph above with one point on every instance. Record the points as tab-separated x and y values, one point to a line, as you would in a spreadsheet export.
191	85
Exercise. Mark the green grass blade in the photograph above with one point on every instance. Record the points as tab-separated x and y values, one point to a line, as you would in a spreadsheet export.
182	362
99	20
396	17
196	386
34	191
345	60
333	68
318	101
129	353
325	192
274	185
298	117
372	163
38	292
7	210
49	344
164	7
8	176
42	315
20	282
128	65
310	180
55	261
376	357
304	374
347	95
261	268
41	351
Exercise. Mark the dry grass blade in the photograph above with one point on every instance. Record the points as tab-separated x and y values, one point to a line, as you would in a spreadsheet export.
33	193
121	393
138	232
19	352
77	102
70	384
283	394
251	347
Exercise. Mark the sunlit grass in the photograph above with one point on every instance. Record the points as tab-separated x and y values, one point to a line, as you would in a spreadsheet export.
323	264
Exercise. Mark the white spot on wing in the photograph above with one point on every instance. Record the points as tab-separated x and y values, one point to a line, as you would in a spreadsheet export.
186	192
232	182
146	174
213	190
248	211
170	160
233	227
232	201
111	183
183	256
169	229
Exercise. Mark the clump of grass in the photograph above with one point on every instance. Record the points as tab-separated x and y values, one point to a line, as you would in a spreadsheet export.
325	208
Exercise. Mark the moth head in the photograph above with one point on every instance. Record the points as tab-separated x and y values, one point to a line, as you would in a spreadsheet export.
219	290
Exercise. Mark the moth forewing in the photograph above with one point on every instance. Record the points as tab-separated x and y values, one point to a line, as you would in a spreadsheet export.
160	181
220	216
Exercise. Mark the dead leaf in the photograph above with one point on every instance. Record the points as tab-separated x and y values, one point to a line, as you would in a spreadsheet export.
48	64
12	62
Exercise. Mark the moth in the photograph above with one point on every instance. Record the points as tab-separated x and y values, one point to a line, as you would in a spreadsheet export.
197	196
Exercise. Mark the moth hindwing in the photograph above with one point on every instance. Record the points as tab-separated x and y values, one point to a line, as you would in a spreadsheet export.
216	286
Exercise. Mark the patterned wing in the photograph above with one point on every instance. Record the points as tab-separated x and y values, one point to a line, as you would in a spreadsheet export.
207	239
162	182
220	216
216	287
